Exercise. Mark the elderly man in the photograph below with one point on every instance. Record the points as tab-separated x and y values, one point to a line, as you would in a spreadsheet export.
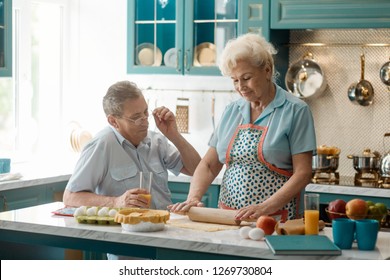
108	171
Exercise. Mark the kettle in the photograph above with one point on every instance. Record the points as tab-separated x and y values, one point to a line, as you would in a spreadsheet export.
385	161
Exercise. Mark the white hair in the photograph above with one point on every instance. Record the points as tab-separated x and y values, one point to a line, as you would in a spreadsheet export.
250	47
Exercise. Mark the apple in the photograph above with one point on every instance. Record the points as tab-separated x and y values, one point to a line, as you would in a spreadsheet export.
267	224
337	206
382	207
356	209
374	212
370	203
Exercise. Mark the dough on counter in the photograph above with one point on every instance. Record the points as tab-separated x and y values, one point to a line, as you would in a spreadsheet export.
209	227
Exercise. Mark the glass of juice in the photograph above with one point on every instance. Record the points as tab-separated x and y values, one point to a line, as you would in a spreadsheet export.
312	213
145	182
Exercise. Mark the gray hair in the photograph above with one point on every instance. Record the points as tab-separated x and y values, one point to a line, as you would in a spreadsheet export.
117	94
251	47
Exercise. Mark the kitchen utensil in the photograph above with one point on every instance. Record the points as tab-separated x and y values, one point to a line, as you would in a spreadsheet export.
343	232
366	234
182	114
384	73
385	161
361	92
305	78
366	162
148	54
214	215
205	54
170	58
325	163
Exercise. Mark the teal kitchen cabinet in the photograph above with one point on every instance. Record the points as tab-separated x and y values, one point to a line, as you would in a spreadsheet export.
5	38
31	196
22	197
308	14
180	190
185	36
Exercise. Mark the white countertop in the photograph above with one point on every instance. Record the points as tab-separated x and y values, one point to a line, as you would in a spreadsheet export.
348	190
39	219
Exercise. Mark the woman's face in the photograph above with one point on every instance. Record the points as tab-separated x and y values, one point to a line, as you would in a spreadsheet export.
252	83
133	109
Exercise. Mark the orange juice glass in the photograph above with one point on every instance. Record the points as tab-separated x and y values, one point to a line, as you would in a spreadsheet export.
311	221
145	182
148	197
312	213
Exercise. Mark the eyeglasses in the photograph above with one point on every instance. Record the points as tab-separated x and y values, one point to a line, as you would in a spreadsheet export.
140	120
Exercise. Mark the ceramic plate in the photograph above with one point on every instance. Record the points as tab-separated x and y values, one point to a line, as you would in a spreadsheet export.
205	55
170	57
148	55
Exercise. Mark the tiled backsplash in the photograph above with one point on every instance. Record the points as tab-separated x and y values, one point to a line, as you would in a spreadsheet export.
338	121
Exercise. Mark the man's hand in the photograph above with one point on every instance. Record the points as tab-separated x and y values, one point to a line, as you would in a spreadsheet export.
131	198
165	121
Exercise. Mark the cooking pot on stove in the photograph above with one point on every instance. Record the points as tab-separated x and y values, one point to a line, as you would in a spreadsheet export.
366	162
385	162
325	163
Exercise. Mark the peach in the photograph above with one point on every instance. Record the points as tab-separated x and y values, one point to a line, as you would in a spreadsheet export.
356	209
267	224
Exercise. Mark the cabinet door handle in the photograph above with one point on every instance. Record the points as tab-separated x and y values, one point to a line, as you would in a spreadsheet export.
186	62
178	68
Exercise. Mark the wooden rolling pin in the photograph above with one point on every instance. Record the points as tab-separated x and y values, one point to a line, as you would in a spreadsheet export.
214	215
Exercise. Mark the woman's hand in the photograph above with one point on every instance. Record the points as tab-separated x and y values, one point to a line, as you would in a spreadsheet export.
183	207
250	212
131	198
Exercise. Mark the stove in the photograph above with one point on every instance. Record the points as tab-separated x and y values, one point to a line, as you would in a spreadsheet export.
384	182
367	179
329	177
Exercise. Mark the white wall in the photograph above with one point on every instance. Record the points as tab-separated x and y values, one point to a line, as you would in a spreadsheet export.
101	53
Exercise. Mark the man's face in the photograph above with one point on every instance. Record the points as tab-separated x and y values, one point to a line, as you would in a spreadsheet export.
134	123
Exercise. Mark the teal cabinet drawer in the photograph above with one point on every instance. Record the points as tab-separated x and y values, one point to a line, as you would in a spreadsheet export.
302	14
23	197
180	190
31	196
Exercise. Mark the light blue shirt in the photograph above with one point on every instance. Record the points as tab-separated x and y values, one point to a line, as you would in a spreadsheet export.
109	165
291	129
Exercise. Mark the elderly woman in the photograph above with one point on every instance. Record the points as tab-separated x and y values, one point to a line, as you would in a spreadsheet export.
107	173
266	139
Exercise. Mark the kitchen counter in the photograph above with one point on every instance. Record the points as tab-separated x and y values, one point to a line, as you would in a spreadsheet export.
348	190
38	226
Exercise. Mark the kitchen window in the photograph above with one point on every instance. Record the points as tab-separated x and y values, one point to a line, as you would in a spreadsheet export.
31	113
